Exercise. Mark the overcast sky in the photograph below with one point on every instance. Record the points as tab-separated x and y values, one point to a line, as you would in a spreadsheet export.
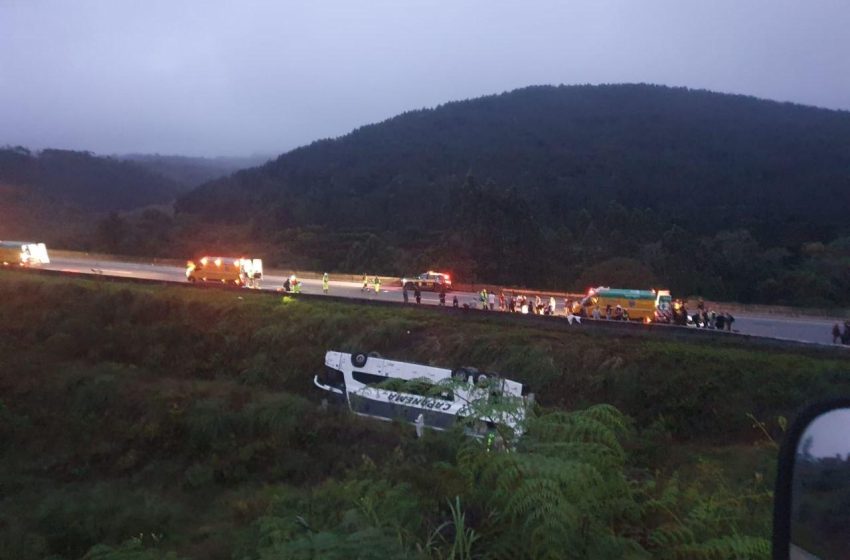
206	77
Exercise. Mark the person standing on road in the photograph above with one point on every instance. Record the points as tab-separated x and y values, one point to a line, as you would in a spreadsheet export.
404	293
443	296
455	302
492	301
365	287
729	321
596	314
836	334
377	284
845	337
552	305
325	283
417	295
482	298
501	301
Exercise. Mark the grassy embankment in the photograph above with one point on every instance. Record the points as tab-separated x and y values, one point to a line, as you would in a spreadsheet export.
165	419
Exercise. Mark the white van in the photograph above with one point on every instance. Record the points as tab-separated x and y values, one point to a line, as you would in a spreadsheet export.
23	253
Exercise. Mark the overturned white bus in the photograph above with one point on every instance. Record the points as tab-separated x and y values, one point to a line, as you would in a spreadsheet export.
436	397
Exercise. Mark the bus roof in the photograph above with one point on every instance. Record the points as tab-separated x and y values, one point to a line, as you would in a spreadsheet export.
626	294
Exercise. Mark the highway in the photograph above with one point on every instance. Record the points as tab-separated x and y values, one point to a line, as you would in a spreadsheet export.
803	329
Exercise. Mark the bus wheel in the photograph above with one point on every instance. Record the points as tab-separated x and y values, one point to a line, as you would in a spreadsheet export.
359	359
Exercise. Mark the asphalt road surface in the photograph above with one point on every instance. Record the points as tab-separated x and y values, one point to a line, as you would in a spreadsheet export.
805	329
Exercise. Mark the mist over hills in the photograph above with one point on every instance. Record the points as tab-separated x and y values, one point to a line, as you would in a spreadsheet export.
193	171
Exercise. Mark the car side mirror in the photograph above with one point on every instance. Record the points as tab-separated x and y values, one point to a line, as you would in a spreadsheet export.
811	513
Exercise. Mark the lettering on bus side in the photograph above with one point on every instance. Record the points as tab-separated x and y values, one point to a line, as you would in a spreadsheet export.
422	402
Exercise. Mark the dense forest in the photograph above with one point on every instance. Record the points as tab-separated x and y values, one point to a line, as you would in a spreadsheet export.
152	423
720	195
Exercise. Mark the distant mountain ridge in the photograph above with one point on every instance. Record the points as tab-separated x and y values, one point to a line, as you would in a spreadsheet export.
84	180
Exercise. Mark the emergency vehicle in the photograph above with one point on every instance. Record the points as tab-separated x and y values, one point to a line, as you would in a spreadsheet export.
640	305
443	398
428	281
237	271
23	253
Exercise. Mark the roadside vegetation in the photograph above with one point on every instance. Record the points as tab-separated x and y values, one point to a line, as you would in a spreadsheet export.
147	422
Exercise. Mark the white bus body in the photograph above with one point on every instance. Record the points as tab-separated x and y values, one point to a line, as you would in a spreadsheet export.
360	380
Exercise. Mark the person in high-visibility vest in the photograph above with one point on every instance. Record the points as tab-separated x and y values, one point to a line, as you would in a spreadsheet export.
325	283
483	297
377	284
365	287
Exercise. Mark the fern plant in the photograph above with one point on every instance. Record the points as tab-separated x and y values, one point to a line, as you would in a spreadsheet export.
562	494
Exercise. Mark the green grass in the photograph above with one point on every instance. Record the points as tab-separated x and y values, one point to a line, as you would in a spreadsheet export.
189	417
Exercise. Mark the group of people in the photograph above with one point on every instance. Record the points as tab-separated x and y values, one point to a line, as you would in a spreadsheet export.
374	282
516	303
709	319
417	294
292	285
839	336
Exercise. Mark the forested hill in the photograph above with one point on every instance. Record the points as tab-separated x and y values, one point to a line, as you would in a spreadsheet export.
695	157
634	185
83	180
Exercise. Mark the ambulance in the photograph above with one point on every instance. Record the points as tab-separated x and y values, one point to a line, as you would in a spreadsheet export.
639	305
226	270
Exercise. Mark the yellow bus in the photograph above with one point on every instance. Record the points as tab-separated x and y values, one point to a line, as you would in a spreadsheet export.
634	305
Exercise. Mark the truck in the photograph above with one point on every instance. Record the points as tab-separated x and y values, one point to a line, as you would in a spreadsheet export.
435	397
23	253
226	270
639	305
